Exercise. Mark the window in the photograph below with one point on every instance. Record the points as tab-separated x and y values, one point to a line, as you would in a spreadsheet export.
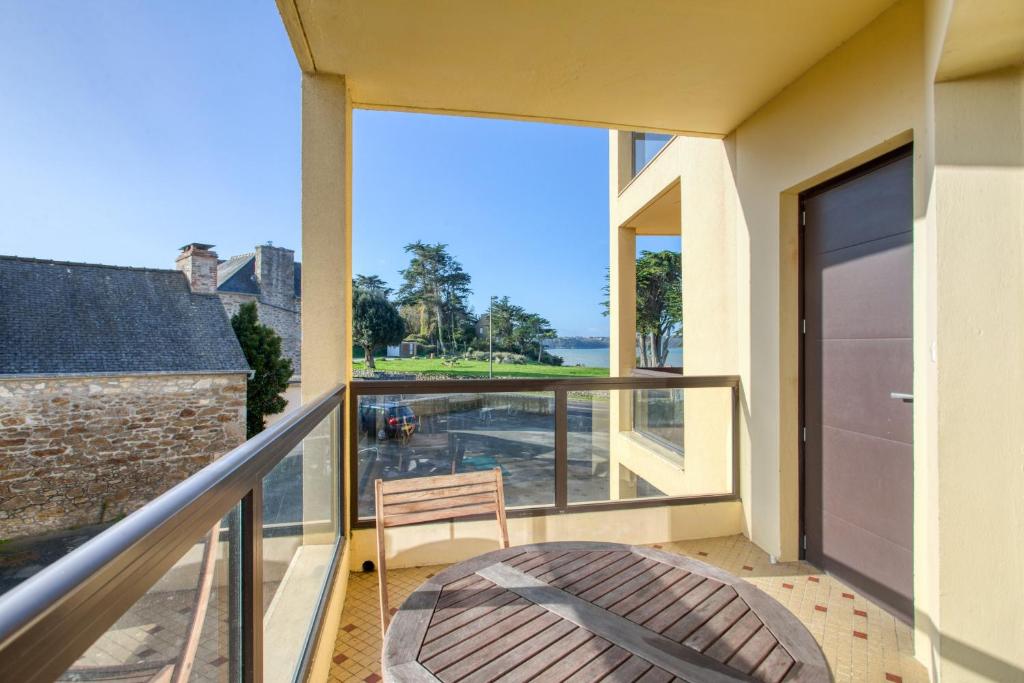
644	147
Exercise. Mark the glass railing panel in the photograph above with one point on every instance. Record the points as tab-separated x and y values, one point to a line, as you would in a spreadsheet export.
418	435
588	445
301	528
189	621
649	443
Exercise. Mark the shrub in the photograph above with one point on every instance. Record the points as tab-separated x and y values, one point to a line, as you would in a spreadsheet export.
550	359
499	357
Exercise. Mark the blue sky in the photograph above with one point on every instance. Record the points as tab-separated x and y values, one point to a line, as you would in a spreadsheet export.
130	128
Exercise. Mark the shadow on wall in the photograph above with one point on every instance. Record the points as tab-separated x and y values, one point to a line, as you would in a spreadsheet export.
970	659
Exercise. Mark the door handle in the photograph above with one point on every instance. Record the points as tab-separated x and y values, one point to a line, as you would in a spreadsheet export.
906	398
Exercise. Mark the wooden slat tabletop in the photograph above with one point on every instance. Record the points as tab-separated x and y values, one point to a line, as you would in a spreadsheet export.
595	611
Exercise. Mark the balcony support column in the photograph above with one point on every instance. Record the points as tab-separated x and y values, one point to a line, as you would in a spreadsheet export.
326	327
326	233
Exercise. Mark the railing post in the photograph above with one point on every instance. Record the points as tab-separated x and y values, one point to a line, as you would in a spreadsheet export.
736	440
352	417
252	585
561	449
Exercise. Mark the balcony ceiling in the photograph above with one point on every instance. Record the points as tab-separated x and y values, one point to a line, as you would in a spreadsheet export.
694	66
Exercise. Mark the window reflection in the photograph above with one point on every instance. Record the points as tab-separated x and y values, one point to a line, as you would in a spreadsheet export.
645	146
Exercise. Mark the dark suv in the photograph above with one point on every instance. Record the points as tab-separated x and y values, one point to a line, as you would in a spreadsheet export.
388	420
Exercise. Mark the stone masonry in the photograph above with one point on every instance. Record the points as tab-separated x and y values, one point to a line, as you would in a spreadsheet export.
267	276
287	322
84	450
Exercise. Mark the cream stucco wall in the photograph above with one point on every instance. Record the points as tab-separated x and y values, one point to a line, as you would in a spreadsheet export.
979	219
686	190
427	544
869	96
835	117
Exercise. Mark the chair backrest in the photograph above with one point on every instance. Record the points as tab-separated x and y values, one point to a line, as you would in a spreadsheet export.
427	499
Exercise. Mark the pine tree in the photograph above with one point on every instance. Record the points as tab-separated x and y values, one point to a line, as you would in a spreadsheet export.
270	370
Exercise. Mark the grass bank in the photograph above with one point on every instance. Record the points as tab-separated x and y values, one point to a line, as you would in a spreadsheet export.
478	368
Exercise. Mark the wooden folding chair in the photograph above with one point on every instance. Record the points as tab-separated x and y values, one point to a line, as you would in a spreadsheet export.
426	499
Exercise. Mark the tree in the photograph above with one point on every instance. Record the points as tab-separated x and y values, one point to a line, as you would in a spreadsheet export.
659	304
270	370
504	316
375	322
517	330
435	283
371	283
535	329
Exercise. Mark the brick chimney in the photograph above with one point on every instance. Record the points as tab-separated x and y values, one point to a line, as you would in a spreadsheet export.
275	271
199	264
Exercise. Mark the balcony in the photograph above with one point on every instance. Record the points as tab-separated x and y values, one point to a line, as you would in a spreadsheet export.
229	575
251	569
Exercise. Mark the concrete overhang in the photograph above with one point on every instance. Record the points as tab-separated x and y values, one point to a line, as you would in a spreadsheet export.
682	66
982	35
660	216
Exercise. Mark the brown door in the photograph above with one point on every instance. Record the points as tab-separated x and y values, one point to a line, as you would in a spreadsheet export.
858	477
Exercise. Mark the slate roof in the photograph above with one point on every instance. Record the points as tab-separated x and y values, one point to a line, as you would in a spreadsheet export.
238	274
80	318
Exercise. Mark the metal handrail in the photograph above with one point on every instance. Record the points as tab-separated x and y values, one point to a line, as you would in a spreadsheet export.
47	622
643	380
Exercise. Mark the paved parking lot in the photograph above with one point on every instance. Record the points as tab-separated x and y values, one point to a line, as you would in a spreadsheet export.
482	437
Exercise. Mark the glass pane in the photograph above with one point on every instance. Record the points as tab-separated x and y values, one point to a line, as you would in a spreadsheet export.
658	415
627	445
645	147
588	445
301	525
188	621
410	435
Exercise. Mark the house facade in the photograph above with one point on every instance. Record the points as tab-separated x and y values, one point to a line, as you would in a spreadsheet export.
115	384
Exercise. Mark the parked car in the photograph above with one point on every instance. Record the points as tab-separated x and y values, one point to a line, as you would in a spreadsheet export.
388	420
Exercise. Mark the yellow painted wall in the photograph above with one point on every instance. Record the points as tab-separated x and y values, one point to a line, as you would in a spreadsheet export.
979	217
690	190
871	95
443	543
739	223
864	98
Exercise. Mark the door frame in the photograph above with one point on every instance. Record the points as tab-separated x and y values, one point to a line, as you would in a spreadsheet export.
824	186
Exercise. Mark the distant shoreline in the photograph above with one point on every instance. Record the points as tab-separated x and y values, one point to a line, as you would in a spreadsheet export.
599	357
578	343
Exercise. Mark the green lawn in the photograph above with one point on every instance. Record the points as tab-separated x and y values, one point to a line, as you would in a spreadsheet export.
478	368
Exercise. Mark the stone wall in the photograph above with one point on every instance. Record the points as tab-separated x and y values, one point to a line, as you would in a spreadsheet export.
275	273
82	450
287	322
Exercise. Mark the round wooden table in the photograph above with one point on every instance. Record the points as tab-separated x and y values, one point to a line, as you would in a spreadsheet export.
595	611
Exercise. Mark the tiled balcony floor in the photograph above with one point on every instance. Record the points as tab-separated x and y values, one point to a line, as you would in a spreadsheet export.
861	641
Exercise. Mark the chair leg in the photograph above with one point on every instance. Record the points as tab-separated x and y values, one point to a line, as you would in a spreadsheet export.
502	522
